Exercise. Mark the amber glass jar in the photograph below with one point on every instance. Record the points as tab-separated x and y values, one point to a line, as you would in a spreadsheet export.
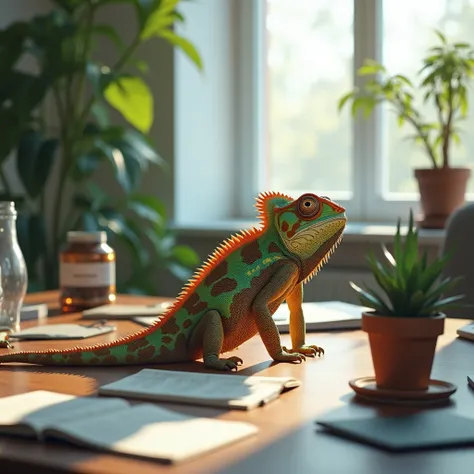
86	272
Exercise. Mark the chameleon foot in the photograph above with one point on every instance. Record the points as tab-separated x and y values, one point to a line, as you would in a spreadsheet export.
286	356
309	350
213	362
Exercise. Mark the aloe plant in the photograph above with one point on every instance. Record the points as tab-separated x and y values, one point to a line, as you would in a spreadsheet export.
409	286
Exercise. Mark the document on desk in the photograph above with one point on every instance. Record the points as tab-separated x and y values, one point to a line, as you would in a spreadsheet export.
217	390
113	425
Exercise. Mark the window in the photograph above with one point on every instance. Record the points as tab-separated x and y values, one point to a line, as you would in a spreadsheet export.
308	54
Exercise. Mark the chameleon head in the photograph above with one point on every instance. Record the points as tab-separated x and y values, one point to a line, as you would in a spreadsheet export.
309	224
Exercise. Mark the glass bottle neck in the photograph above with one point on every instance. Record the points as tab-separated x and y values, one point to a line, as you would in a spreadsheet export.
7	209
7	228
8	216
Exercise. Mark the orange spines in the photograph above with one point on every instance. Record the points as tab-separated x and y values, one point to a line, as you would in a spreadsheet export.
261	201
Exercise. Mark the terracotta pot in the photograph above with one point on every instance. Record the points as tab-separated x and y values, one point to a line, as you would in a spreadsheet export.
402	349
442	190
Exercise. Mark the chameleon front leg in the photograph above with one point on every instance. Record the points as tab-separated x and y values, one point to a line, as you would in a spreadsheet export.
297	324
279	284
209	335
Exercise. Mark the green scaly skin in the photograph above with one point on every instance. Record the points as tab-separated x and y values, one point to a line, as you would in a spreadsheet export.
232	296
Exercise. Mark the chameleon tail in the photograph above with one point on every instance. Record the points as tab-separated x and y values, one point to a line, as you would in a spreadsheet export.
152	345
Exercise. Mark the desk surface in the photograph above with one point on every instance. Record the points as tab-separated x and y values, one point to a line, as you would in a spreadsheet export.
288	441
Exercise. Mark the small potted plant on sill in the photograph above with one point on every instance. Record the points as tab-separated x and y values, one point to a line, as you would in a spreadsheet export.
408	312
443	82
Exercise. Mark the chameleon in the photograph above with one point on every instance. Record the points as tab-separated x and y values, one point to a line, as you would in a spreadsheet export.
232	296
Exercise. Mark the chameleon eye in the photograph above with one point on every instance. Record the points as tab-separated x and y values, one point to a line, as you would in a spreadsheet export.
308	206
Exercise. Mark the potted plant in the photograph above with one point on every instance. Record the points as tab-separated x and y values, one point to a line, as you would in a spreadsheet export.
443	82
62	166
407	312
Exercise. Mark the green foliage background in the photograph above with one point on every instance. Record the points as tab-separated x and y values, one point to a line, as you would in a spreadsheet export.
86	144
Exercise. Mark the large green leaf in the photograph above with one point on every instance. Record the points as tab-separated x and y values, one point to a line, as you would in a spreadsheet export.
69	5
100	77
44	163
32	241
129	151
85	165
27	152
185	45
35	158
186	256
148	207
143	148
133	99
101	114
109	32
116	158
145	9
12	45
10	128
160	19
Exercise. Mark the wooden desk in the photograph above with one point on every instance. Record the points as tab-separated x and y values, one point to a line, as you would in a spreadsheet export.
288	441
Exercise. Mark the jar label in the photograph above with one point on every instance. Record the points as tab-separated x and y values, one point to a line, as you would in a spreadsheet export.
86	275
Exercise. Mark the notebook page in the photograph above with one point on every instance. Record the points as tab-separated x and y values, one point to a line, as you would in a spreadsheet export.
16	409
197	388
71	410
41	408
149	431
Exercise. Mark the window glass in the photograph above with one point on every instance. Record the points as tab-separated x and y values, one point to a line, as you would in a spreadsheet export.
309	66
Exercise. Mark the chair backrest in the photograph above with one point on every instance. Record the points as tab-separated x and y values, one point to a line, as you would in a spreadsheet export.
459	239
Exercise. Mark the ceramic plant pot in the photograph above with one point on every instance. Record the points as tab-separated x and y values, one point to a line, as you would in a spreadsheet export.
442	190
402	349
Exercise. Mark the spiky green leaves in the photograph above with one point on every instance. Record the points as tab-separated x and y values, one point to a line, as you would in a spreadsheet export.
409	286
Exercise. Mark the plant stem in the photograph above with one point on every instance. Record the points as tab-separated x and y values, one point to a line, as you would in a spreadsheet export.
116	68
59	198
58	102
5	184
85	53
447	128
423	137
402	111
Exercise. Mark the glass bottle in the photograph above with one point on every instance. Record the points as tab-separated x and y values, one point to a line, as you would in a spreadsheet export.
14	275
86	272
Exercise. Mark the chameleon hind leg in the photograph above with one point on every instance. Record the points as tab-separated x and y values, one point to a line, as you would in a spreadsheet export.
209	335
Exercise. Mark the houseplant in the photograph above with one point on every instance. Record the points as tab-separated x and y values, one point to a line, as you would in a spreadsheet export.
62	166
408	312
442	82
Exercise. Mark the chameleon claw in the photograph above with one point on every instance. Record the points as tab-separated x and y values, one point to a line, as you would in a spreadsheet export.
308	350
287	356
213	362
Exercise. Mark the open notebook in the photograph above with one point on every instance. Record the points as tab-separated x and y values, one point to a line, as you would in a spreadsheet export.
216	390
319	316
323	316
113	425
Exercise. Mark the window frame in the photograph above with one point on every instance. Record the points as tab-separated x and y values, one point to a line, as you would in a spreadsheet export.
368	201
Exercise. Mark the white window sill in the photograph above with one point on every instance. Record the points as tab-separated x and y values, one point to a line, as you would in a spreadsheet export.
358	232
